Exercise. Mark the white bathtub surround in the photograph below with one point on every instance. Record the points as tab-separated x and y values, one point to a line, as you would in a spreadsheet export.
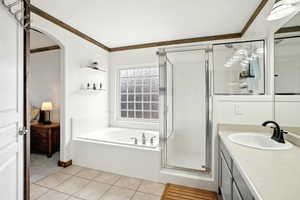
133	161
99	187
122	136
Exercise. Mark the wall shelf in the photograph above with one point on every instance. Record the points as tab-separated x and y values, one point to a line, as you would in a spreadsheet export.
91	91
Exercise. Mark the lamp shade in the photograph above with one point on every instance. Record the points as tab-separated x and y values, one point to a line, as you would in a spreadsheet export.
47	106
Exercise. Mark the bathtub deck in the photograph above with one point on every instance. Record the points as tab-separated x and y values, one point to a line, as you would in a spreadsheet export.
178	192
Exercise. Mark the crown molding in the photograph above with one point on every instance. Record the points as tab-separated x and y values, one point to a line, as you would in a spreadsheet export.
42	49
60	23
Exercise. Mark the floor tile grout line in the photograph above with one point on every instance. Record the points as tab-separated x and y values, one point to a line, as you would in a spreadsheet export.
68	193
110	186
136	190
105	192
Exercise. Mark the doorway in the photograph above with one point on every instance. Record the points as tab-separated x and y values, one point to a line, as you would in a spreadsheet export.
44	99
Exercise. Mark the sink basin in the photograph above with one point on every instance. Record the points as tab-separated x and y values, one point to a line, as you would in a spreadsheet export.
258	141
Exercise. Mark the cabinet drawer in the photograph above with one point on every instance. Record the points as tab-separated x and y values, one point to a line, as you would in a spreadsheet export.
38	133
235	193
241	185
226	155
226	180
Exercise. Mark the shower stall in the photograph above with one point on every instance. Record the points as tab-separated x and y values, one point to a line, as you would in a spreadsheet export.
185	108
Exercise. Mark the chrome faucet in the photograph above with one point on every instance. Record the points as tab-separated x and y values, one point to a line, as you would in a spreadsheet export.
143	139
277	133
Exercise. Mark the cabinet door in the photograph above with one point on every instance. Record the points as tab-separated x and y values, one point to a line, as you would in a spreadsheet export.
226	180
241	185
235	193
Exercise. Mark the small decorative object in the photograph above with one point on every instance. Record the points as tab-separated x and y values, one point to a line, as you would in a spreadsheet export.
100	85
94	86
47	107
88	86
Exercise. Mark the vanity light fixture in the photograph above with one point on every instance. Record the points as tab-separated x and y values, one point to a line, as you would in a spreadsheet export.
254	55
259	50
236	57
243	52
283	8
245	61
227	65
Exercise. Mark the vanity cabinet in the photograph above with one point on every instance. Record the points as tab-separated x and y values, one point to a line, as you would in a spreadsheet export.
226	180
231	184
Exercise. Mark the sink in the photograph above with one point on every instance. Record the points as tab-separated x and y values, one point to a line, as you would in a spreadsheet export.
258	141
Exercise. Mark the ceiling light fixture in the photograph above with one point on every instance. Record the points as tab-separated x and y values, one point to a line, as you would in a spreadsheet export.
283	8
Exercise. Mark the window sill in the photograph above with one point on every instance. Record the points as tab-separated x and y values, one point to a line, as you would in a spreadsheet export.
151	125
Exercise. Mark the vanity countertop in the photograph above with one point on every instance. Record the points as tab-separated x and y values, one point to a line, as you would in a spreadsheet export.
270	175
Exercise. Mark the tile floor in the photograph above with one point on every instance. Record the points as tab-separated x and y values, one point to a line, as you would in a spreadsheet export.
77	183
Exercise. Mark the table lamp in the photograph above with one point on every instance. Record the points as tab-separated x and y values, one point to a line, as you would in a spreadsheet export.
46	108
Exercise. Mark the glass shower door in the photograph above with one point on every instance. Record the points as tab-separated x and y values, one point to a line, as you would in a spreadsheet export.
184	92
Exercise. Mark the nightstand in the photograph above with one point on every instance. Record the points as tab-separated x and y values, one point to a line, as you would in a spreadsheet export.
45	138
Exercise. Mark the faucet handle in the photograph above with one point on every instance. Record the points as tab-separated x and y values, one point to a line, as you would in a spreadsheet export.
285	132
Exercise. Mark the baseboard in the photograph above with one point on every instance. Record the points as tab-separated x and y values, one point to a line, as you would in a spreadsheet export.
64	164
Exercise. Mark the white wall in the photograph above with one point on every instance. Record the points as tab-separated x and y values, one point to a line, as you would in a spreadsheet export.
44	80
75	53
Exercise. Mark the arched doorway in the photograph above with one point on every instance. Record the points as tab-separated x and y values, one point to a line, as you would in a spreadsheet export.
46	84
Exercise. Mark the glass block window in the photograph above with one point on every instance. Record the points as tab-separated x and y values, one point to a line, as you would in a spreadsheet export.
139	93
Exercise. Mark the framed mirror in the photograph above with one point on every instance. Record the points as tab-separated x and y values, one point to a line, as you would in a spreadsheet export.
287	75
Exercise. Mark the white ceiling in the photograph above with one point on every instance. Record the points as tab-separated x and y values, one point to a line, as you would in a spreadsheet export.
127	22
295	21
38	40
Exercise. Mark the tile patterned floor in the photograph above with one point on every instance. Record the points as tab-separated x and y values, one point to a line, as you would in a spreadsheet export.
77	183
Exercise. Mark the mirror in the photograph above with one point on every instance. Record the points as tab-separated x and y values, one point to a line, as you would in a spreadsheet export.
239	68
287	75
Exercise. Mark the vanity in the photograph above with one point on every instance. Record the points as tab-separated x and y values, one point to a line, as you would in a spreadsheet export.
269	173
247	173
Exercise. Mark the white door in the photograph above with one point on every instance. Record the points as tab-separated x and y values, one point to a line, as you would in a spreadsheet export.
11	108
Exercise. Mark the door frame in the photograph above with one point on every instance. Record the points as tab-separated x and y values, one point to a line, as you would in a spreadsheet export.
26	54
63	108
163	60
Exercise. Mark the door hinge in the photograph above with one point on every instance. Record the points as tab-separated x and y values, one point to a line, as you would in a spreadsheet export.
23	131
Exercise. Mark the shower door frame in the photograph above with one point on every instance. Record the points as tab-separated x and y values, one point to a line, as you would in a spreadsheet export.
163	60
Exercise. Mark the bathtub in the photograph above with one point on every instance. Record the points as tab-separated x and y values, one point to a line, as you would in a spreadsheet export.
112	150
123	136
